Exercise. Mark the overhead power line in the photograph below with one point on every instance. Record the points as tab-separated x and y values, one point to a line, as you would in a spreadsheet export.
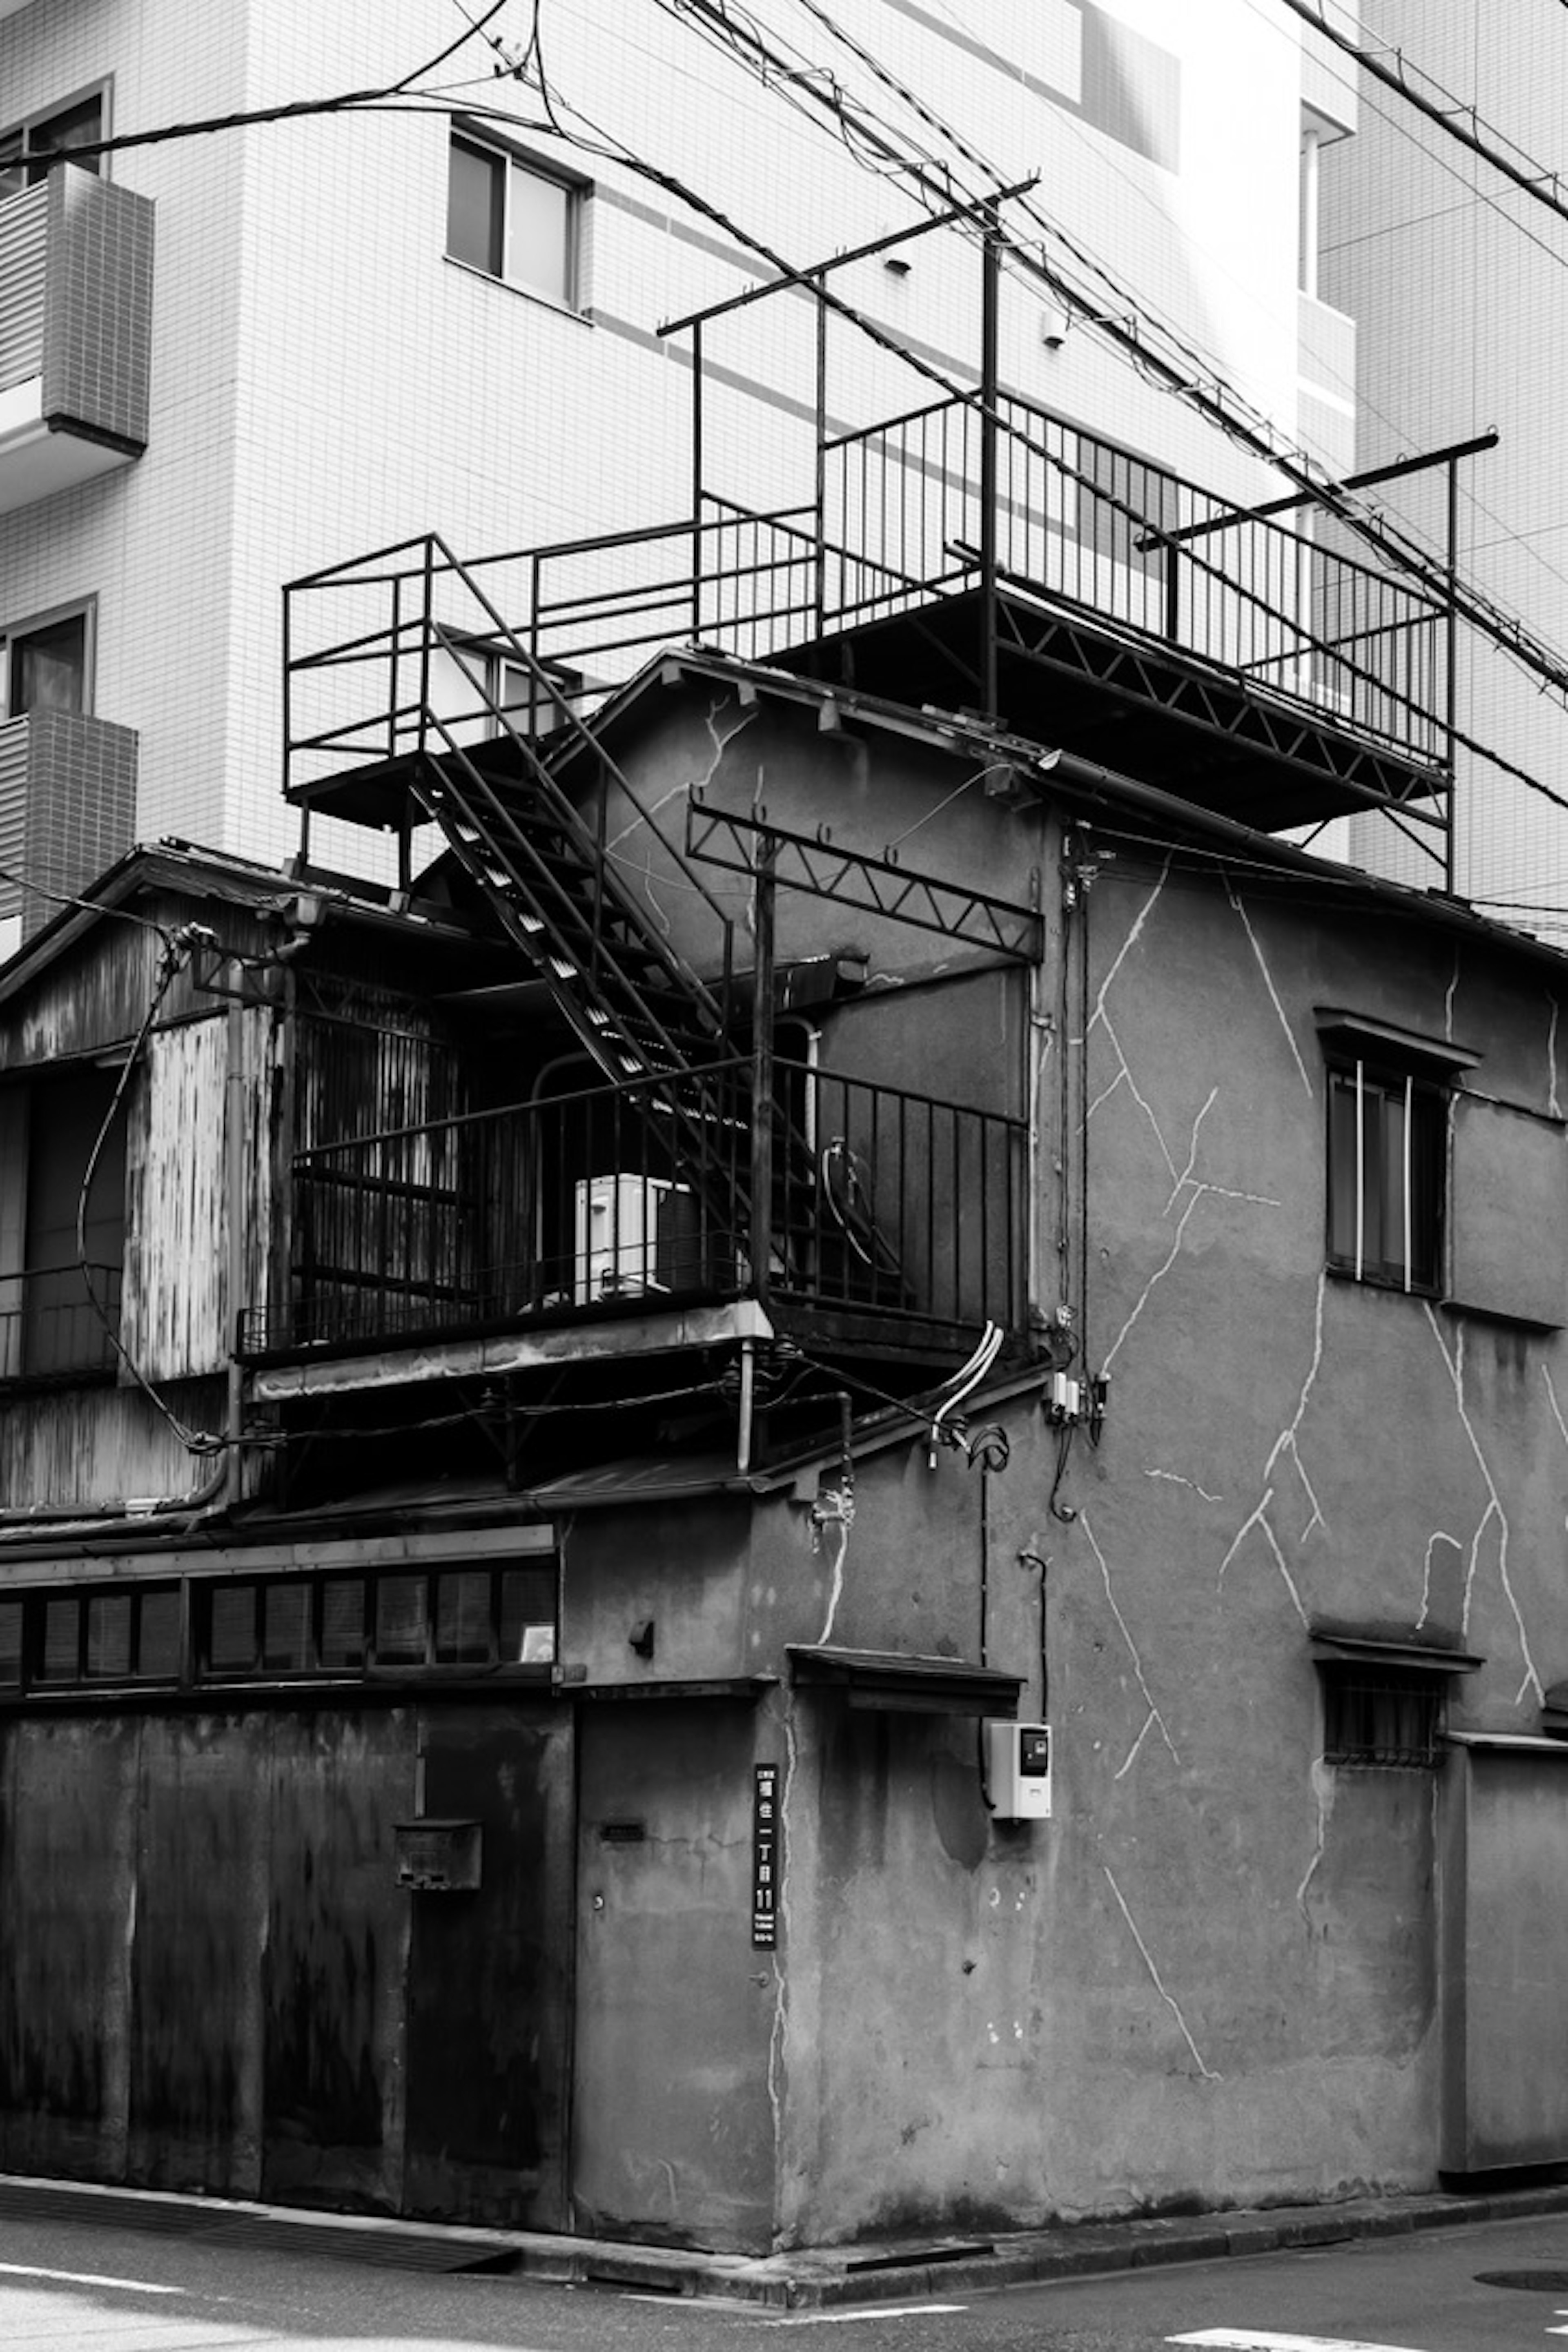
1205	390
1458	118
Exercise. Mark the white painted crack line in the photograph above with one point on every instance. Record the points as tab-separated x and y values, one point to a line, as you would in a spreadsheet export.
1323	1791
1234	897
1154	1279
1437	1536
1100	1016
1289	1439
1455	1365
1207	2072
1150	1701
1176	1479
1554	1105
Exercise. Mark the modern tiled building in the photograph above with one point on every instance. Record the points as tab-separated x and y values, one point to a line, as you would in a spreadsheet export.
1454	277
373	322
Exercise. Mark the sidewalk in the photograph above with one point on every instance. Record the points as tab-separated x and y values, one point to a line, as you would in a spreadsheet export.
811	2279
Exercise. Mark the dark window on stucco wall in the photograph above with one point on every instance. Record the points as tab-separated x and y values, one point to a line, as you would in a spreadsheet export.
1387	1135
1386	1715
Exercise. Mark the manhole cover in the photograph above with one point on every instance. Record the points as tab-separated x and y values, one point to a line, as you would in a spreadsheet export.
1532	2282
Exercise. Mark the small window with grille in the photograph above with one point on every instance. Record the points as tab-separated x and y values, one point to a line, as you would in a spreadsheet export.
1381	1715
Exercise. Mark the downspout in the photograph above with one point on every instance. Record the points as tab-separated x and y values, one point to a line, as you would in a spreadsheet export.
234	1286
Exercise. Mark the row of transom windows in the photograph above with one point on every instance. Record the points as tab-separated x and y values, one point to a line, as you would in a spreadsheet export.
291	1627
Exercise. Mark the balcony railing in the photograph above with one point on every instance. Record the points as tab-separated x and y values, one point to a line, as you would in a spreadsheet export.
598	1205
50	1329
1076	522
76	328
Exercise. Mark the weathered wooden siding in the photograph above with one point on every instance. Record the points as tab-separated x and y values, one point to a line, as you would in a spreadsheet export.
177	1317
100	1445
96	992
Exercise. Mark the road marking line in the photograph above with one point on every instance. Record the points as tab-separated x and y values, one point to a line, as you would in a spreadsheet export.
87	2278
865	2311
1257	2339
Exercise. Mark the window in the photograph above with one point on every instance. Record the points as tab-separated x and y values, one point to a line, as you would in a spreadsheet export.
51	1327
1390	1716
1384	1701
1388	1095
67	1640
264	1629
28	149
512	220
60	1642
46	666
1386	1141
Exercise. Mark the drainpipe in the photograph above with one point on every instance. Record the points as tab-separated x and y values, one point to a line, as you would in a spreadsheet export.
234	1286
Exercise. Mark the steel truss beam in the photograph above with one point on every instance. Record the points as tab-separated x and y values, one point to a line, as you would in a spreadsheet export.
1143	674
855	877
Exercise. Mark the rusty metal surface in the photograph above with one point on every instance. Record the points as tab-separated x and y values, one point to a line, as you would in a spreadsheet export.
334	1969
68	1811
672	2130
489	2025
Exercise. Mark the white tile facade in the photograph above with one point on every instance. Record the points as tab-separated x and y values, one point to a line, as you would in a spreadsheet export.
326	382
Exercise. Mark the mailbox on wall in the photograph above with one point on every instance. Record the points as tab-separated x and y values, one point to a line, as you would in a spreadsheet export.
439	1857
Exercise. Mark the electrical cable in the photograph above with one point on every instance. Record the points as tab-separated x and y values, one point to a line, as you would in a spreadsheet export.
1215	399
292	109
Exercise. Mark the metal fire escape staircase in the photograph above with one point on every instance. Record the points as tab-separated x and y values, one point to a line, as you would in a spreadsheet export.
654	1027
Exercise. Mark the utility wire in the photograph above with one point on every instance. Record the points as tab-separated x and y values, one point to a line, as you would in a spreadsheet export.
1546	187
1215	399
292	109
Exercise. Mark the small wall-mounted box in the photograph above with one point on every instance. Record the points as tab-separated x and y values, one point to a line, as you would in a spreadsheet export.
1019	1770
439	1857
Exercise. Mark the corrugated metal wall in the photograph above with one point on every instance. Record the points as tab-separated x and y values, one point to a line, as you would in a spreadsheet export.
212	1980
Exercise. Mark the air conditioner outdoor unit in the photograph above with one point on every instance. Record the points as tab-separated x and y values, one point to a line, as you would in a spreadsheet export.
633	1234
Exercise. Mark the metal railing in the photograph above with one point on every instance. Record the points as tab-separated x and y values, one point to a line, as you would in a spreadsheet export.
1079	521
898	522
49	1327
597	1203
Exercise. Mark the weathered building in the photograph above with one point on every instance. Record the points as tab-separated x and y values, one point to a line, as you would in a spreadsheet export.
503	1590
818	1488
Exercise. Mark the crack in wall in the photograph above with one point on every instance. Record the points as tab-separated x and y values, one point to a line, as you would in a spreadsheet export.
1323	1791
1554	1105
1437	1536
1176	1479
1455	1365
1448	1001
1183	1179
1287	1445
1156	1278
1155	1714
1101	1017
1234	897
1158	1982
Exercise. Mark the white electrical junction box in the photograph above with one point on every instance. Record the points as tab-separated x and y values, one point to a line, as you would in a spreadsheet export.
1019	1770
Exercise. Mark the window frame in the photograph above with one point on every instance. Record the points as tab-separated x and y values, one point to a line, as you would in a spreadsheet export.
1397	1069
14	634
1422	1105
1384	1701
36	163
508	161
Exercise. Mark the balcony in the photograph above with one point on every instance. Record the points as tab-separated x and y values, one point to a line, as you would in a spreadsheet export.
890	1220
55	1328
68	806
76	317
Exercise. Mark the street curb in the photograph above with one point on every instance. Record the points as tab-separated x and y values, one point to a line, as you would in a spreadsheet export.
811	2279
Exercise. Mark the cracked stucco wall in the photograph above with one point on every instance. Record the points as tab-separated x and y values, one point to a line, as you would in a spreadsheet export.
1215	1975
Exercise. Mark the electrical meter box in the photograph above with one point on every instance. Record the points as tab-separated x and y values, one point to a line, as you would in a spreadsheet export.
1019	1770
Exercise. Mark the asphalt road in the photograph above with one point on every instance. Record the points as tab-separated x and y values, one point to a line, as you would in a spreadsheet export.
68	2285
